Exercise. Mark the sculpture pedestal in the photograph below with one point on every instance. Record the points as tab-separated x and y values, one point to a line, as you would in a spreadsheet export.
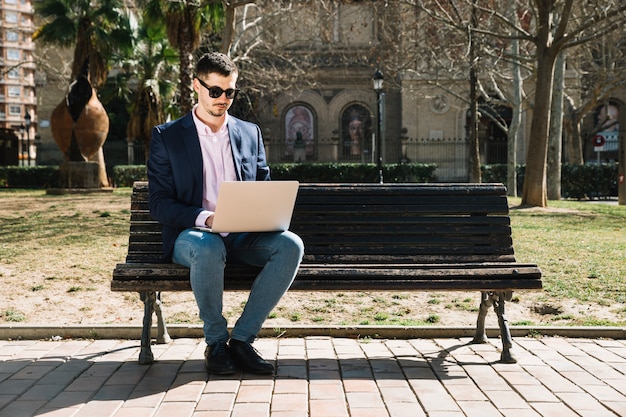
79	177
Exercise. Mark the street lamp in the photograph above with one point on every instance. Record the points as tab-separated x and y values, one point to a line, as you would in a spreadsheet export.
21	157
378	79
27	123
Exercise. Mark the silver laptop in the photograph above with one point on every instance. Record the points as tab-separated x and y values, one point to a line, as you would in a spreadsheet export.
254	206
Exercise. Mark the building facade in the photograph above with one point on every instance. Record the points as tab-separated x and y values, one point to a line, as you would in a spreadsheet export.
18	98
338	119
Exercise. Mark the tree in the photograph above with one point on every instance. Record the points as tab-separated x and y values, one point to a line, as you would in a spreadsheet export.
97	30
557	29
152	74
185	21
556	25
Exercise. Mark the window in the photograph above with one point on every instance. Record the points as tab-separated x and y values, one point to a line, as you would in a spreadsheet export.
12	36
10	17
13	54
15	91
14	73
299	134
15	110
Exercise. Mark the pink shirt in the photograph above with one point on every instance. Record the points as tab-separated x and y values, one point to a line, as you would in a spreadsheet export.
217	163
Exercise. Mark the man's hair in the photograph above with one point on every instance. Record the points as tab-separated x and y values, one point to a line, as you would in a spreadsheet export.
215	62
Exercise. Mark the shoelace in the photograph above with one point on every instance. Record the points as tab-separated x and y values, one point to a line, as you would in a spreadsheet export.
250	349
219	349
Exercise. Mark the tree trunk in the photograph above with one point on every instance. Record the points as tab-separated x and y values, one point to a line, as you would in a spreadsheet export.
516	117
474	148
535	193
229	27
555	148
186	79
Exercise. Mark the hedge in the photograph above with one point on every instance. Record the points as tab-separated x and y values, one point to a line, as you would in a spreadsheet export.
577	181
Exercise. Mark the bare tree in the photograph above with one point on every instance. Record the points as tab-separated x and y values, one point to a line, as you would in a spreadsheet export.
556	25
558	28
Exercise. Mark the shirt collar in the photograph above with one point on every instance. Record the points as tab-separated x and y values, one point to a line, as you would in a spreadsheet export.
203	128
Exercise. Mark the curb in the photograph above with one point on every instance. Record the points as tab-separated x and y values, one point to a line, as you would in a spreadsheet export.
26	332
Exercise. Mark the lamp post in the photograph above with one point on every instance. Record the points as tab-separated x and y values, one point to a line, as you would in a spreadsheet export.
378	79
27	123
21	155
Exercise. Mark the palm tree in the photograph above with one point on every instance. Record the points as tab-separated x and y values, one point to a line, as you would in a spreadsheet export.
186	21
152	67
97	30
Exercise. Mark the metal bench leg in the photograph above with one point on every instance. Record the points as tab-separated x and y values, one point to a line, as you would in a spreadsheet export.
507	343
145	356
485	302
162	335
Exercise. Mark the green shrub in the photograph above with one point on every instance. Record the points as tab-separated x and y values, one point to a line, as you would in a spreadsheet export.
125	175
577	181
353	173
588	181
41	176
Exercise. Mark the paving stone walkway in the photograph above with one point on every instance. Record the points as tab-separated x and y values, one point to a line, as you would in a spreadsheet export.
317	377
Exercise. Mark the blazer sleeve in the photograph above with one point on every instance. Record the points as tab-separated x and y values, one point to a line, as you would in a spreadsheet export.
174	198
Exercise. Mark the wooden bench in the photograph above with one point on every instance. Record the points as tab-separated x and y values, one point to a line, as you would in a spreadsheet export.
371	237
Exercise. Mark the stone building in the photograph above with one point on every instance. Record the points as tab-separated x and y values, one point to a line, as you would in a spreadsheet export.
338	118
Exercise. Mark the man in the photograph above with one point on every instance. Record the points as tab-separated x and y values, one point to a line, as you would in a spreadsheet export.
189	158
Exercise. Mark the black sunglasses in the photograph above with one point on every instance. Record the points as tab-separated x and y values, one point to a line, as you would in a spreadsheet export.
216	92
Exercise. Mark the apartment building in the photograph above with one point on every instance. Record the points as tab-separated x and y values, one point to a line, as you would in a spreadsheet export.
18	101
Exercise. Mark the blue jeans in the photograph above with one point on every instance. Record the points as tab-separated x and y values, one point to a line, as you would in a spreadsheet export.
205	255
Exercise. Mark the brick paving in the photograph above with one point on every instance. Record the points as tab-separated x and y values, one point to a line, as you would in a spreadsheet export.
317	377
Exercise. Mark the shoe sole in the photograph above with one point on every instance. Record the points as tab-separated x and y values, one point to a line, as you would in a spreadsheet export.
220	371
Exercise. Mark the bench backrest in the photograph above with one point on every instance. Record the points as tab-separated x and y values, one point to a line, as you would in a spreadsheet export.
376	223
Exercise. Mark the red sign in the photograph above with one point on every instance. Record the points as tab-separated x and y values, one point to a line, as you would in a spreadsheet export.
598	140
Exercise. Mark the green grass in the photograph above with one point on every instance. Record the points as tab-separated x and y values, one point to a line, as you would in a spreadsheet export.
580	247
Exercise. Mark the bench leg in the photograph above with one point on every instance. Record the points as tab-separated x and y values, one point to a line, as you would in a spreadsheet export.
485	303
507	342
152	303
497	300
145	356
162	335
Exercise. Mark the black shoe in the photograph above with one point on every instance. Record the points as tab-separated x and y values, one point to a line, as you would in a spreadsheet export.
217	359
248	359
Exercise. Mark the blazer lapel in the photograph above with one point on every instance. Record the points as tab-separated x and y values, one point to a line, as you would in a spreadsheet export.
235	144
194	154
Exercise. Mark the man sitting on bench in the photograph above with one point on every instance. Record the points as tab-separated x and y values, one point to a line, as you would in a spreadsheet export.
189	158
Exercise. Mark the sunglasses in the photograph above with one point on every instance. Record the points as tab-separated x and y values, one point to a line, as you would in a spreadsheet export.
216	92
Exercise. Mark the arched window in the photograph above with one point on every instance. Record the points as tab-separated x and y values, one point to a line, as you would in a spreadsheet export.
356	134
299	134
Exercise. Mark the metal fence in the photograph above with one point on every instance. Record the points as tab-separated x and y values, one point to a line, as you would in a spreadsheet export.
450	155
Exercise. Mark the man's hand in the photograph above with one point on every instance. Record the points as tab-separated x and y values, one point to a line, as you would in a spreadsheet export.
209	221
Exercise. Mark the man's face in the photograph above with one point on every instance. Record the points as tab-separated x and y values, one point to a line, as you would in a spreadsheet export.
215	107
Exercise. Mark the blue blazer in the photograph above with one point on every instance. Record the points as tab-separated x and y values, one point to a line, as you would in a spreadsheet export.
175	171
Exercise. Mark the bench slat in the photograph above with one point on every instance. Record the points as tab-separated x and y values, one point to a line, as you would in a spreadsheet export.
485	277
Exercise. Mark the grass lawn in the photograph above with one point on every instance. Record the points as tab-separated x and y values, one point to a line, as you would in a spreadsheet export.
57	253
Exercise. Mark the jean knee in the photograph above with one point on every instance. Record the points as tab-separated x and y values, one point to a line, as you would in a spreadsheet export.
196	246
293	244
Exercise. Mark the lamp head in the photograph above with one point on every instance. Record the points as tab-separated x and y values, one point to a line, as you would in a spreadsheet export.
378	79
